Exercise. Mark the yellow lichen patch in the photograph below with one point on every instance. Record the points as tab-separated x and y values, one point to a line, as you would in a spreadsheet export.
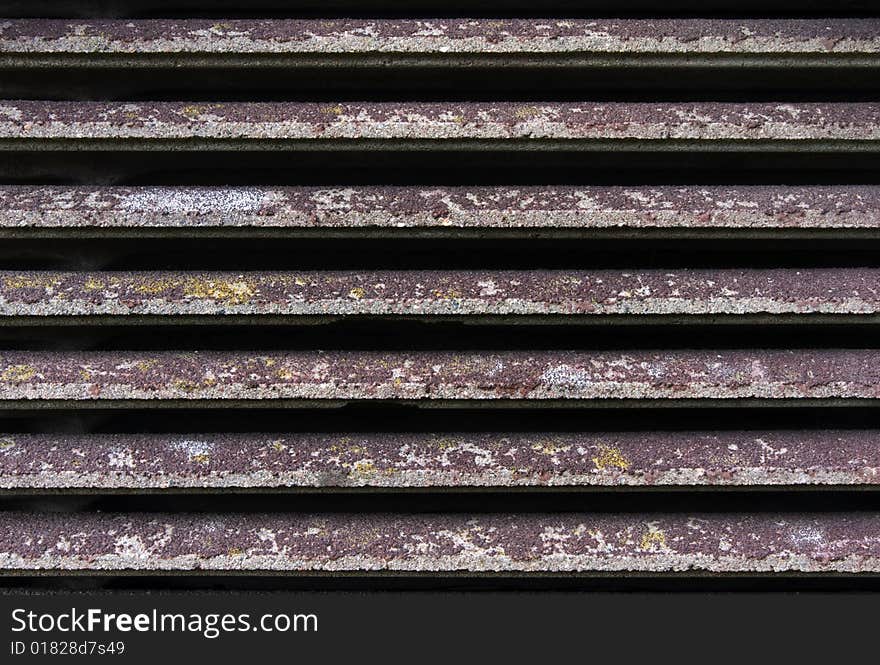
332	110
446	444
653	539
608	456
85	375
235	551
234	292
364	468
269	362
18	373
5	444
450	294
29	282
285	374
92	284
357	293
156	286
549	448
201	458
526	112
185	385
193	111
145	365
278	446
301	281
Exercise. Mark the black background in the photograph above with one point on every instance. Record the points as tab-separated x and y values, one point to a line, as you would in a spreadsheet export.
490	627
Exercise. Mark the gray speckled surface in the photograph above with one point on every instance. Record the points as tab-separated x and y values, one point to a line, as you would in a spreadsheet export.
447	375
440	121
442	35
829	291
459	459
843	206
364	543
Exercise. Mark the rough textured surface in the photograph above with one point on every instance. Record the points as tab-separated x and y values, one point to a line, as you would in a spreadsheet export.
815	543
768	542
440	460
441	375
442	36
836	291
438	121
455	207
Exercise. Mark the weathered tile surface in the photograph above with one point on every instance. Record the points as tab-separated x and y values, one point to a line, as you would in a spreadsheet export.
841	206
507	459
364	543
830	291
449	375
489	121
443	35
